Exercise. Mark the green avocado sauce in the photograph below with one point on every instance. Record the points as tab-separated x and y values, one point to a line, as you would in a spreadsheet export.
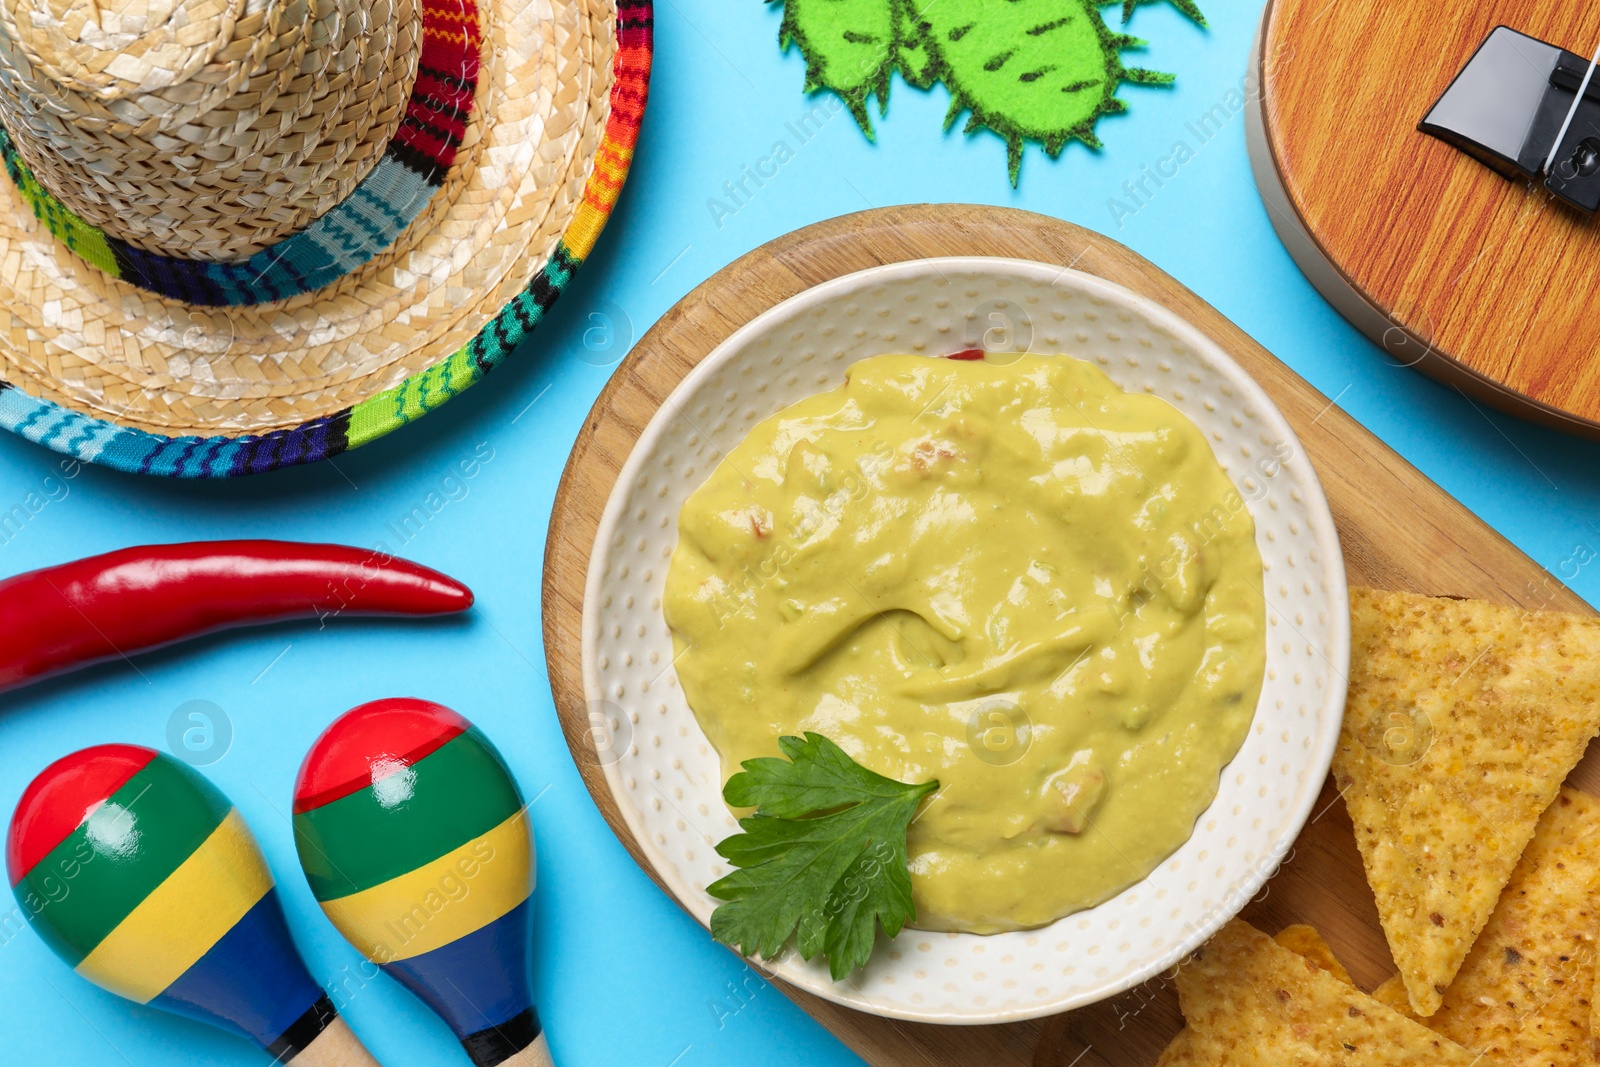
1013	577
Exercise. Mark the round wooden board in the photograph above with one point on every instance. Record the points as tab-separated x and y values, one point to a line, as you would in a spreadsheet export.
1432	545
1483	283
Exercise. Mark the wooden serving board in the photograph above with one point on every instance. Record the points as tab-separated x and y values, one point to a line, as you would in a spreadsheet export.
1398	529
1483	283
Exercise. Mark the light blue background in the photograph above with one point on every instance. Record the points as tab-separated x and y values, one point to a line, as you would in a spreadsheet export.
625	978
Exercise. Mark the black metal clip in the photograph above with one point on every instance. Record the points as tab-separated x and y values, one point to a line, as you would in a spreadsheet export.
1517	107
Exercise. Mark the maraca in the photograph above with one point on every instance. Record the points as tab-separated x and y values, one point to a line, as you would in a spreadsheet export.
146	880
414	837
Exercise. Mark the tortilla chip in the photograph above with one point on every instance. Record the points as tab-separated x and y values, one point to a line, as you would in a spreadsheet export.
1302	941
1180	1053
1393	993
1250	1002
1594	1017
1463	719
1524	995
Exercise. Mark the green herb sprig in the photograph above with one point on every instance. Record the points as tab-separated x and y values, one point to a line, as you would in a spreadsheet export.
823	859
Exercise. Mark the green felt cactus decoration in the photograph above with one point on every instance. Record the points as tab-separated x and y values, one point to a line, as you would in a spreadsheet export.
911	52
850	47
1030	70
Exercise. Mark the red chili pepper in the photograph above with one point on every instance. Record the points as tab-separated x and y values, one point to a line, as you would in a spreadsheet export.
968	353
124	602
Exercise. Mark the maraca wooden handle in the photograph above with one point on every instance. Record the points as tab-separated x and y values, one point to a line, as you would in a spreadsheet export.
535	1055
337	1046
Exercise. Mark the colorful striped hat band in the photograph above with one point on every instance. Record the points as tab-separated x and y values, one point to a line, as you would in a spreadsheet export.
387	200
143	877
415	840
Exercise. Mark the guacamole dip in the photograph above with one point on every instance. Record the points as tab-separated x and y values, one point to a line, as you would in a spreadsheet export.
1017	579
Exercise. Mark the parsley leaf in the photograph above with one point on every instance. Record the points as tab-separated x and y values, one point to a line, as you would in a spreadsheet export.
822	859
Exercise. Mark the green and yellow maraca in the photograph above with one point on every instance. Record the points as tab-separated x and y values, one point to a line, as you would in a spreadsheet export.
143	877
415	840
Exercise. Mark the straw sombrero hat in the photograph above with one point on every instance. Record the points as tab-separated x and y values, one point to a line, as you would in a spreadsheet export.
242	234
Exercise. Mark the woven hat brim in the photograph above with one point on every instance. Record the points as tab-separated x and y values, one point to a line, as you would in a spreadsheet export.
109	374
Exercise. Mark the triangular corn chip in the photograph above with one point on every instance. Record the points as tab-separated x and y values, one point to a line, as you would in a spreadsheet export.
1250	1002
1463	719
1393	993
1594	1017
1301	940
1524	994
1304	940
1180	1053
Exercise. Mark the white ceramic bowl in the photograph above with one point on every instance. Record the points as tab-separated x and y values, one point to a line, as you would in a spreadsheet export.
664	773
